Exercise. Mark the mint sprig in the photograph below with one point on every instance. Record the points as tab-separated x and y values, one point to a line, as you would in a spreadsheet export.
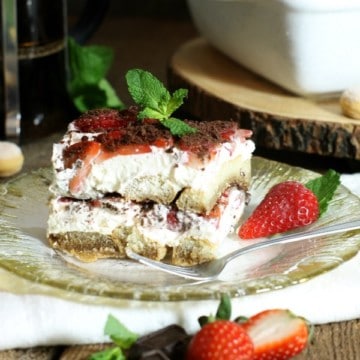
156	101
324	188
88	86
120	335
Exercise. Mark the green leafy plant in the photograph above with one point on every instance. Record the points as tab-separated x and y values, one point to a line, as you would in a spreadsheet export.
156	101
88	86
121	336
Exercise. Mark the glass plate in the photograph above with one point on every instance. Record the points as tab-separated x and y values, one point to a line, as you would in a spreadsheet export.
24	250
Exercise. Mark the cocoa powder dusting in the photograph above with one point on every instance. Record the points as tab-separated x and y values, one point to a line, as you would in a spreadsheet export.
209	134
151	131
145	133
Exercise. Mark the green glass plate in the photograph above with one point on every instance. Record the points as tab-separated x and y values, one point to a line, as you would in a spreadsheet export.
25	252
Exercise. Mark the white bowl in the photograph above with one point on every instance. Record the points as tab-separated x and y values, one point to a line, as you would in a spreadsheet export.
310	47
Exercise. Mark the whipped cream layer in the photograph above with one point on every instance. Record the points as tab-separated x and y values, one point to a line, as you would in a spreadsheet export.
158	175
136	225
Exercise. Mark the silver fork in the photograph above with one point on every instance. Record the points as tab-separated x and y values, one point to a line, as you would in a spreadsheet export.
212	269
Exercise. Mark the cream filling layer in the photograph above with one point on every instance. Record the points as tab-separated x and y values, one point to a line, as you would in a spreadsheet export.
143	173
110	214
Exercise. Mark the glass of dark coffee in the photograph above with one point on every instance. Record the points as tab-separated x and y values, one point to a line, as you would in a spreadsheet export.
34	101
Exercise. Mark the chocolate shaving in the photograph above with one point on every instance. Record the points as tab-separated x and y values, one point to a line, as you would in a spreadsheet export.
208	134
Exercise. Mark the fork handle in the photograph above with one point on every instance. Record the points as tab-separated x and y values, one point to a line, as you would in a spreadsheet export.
311	234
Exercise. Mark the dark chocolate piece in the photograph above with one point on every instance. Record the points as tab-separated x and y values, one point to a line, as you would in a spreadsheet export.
168	343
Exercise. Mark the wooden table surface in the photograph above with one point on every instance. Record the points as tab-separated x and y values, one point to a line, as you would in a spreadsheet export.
280	120
148	43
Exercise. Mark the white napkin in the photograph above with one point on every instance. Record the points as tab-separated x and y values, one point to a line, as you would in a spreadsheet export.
28	320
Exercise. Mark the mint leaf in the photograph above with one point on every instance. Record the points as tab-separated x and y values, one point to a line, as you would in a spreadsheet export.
89	97
156	101
88	64
150	113
88	87
108	354
178	127
176	100
118	333
324	188
112	100
147	90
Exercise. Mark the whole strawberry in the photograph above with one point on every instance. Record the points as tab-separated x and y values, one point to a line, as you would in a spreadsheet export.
277	334
219	337
289	205
286	206
221	340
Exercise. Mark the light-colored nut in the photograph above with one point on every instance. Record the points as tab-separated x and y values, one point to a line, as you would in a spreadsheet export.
11	159
350	102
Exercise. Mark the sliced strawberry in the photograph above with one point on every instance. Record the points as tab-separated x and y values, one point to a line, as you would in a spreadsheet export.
198	153
111	140
131	149
218	208
172	219
229	132
245	133
130	114
91	151
221	339
226	134
163	142
196	147
277	334
95	203
100	120
286	206
214	213
79	151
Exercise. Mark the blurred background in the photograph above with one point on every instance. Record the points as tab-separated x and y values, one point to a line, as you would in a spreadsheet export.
155	8
142	33
146	33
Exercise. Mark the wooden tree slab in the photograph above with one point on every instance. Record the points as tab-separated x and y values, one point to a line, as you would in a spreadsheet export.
221	89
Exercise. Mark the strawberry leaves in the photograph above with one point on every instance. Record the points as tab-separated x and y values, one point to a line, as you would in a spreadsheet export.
324	188
223	311
156	101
